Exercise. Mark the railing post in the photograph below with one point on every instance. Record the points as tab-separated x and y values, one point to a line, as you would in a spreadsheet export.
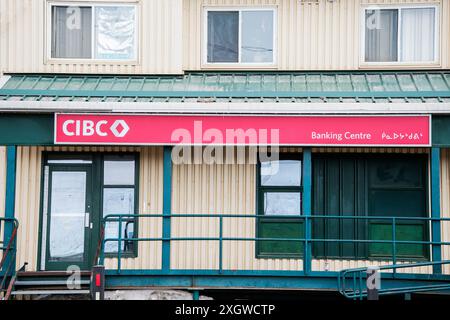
10	202
167	207
220	244
307	202
119	256
436	207
394	242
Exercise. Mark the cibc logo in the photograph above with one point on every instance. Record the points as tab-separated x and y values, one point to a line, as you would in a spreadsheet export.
88	128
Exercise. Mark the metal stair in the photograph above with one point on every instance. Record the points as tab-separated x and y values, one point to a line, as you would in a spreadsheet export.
49	283
352	282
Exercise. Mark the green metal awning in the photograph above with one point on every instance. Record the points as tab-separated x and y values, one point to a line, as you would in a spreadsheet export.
385	87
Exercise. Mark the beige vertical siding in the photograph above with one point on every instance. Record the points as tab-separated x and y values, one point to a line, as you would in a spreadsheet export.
29	161
218	189
2	187
445	34
23	40
28	180
311	36
445	204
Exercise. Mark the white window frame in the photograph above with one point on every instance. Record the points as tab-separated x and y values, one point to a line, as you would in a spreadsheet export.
437	35
49	26
239	9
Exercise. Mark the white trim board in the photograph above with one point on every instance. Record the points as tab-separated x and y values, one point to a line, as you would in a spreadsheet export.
220	107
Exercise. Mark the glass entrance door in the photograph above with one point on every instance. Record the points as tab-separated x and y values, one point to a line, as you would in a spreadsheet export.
69	224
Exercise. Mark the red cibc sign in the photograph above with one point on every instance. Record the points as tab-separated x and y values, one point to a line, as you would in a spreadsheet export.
119	129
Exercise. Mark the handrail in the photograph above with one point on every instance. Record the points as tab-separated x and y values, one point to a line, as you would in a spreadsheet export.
99	245
11	239
8	252
357	276
394	242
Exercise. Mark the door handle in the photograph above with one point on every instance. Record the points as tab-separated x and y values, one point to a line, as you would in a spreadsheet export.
87	222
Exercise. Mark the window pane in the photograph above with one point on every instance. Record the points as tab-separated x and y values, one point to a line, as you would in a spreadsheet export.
118	201
68	209
397	203
119	170
112	232
381	35
418	34
282	203
115	32
257	36
281	173
396	173
71	32
223	36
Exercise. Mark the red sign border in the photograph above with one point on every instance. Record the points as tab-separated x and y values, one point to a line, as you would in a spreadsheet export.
430	133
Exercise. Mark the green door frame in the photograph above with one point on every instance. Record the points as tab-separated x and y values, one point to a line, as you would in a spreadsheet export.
87	256
435	171
96	187
10	198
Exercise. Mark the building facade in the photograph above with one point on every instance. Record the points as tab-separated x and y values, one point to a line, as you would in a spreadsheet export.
227	144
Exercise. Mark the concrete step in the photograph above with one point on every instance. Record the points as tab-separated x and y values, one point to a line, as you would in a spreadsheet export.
49	274
49	292
49	282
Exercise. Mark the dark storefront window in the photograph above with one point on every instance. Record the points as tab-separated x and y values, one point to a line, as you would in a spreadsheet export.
280	199
376	186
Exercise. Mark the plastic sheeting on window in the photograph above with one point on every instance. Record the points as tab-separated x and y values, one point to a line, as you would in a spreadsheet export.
281	173
68	208
282	203
118	201
115	32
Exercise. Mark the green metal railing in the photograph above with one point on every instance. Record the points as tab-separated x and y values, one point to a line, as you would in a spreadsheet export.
352	282
8	250
306	228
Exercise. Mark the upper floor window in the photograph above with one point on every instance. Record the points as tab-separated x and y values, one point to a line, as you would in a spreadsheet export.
403	34
244	36
100	32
